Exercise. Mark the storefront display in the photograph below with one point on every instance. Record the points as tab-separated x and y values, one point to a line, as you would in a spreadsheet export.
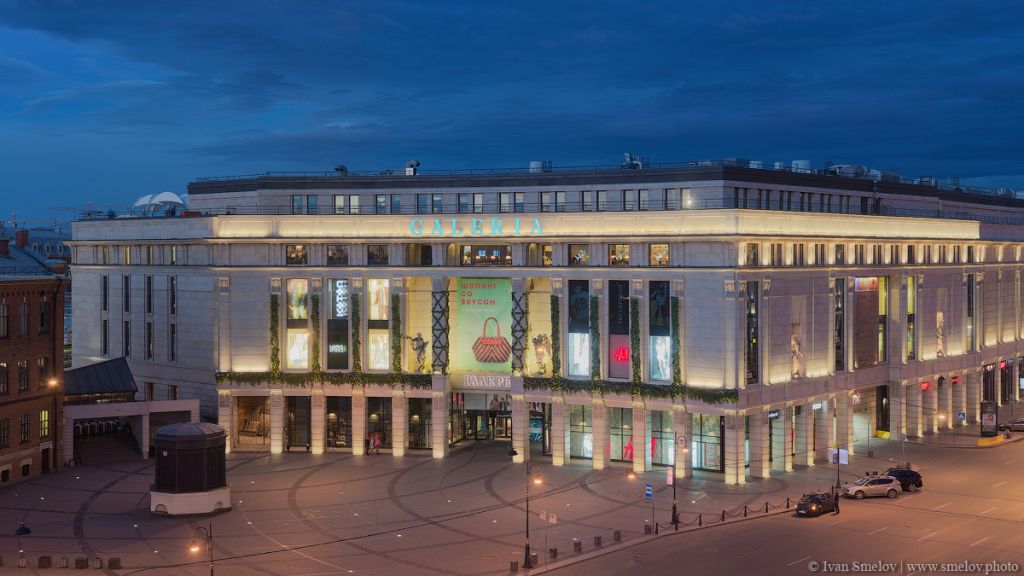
706	446
581	434
337	326
618	329
663	446
620	433
578	351
482	319
378	345
298	293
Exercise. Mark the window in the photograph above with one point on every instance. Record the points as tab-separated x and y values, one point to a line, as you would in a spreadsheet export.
126	292
296	204
911	313
629	200
471	203
311	204
172	285
753	257
339	204
423	203
174	255
436	204
752	341
149	294
127	255
477	255
547	201
579	254
43	370
618	254
970	256
972	291
776	254
23	318
3	321
44	423
673	199
22	375
104	254
353	204
819	254
840	259
876	254
24	433
942	254
378	314
296	255
337	255
376	254
396	203
927	254
419	255
105	339
172	343
5	436
602	200
546	255
645	200
839	314
858	255
581	436
149	340
911	257
620	433
894	254
578	351
659	328
505	202
5	387
619	342
798	254
380	204
659	255
957	254
587	201
126	339
559	201
297	324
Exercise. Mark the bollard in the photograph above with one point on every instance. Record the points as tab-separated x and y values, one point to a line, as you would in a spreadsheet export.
700	519
533	559
723	516
114	563
597	541
656	526
45	562
744	511
552	553
513	566
787	503
97	563
22	562
647	528
617	535
577	546
765	506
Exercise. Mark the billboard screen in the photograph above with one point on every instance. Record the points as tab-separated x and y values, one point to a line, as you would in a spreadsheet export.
481	338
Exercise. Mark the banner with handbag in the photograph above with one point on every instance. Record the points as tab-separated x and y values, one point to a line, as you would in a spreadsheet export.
492	349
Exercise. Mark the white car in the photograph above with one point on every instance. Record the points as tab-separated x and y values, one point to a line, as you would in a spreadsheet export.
873	486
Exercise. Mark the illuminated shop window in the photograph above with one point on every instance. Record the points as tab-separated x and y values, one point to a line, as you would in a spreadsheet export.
296	255
378	313
476	255
579	254
618	255
660	330
297	349
337	255
659	255
379	344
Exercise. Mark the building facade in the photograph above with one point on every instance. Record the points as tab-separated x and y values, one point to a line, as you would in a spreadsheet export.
31	360
732	318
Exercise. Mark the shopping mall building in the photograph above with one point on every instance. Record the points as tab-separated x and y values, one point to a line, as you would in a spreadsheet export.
735	318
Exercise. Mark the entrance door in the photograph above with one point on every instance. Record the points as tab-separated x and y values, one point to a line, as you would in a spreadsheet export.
46	460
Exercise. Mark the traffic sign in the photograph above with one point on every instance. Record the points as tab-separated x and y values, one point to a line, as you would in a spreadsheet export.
648	492
961	416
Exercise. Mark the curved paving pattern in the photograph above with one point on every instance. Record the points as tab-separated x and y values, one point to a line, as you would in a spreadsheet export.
343	514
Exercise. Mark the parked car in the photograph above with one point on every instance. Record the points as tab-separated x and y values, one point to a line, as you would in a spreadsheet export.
873	486
910	480
816	503
1016	425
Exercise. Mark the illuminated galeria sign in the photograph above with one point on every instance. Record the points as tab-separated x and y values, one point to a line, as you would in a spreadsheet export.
476	227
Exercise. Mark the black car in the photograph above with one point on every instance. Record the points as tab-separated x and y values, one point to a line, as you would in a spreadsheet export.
816	503
910	480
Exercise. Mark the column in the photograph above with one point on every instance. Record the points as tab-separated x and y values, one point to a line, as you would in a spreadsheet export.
844	421
359	422
804	449
973	407
276	421
520	428
897	411
870	397
399	423
641	438
914	400
782	440
735	459
225	417
930	408
439	421
959	398
559	431
519	324
822	431
145	436
682	426
760	449
600	434
945	405
317	421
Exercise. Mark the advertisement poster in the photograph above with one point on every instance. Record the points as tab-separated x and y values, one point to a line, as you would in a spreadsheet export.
989	423
481	338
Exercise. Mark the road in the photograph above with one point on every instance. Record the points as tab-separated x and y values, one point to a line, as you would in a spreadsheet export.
971	510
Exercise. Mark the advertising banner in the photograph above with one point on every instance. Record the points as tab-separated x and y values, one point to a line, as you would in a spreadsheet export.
481	338
579	306
989	420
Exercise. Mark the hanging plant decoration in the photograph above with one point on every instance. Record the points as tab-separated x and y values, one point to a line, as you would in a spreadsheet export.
641	390
556	337
595	338
677	371
357	357
314	349
396	333
634	339
414	381
275	339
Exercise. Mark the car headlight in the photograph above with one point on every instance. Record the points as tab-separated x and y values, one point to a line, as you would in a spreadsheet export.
814	506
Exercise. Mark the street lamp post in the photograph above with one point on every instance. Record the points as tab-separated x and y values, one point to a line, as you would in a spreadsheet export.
532	477
206	534
675	477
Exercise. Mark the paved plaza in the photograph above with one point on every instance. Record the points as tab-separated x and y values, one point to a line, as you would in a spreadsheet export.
297	513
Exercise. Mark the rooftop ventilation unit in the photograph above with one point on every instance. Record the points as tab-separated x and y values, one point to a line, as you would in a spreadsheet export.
538	166
781	166
634	162
756	164
341	169
932	181
411	166
802	166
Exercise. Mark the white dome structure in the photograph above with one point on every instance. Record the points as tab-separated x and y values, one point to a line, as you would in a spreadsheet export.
162	202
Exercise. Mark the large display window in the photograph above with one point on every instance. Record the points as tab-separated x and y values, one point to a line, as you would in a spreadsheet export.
706	446
659	324
298	298
378	347
378	421
663	445
378	292
619	352
337	325
339	421
297	351
620	433
581	432
420	423
578	351
378	339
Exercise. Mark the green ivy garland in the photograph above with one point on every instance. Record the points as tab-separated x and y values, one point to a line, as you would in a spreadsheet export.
314	318
556	337
357	357
595	338
634	340
677	370
396	333
275	339
415	381
635	390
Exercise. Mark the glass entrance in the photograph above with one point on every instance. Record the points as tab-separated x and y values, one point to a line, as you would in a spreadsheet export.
297	433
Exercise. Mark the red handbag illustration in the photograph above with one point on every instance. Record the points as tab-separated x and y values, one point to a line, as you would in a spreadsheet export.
492	349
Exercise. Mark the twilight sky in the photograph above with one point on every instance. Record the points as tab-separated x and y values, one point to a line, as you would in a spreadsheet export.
103	101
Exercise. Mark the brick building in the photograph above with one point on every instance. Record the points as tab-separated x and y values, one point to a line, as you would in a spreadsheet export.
31	359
